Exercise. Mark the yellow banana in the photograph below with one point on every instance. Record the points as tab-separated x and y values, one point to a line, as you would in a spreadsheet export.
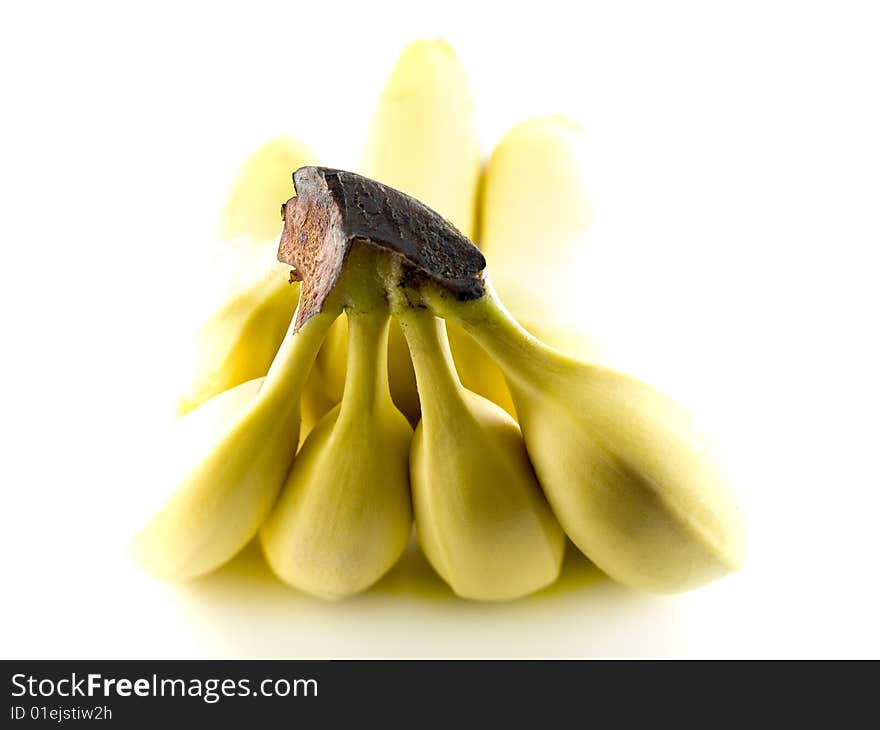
238	340
535	207
230	458
262	184
314	403
344	516
535	211
632	482
481	518
422	140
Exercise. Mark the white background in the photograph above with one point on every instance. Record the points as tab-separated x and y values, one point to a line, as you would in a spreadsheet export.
735	164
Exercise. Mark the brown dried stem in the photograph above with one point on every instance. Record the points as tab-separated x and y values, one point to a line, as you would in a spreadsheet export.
333	209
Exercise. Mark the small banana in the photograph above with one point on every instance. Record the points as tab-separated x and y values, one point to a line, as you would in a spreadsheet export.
332	360
535	209
238	340
261	185
422	140
230	457
534	214
314	403
481	518
633	483
344	516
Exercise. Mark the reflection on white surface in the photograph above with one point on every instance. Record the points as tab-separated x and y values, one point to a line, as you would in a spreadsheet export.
243	610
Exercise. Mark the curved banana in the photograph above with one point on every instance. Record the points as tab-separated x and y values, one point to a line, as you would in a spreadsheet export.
481	518
314	403
261	185
631	480
238	340
535	211
231	456
422	140
534	197
344	516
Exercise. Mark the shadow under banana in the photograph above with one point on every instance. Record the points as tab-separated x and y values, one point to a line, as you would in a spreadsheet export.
248	575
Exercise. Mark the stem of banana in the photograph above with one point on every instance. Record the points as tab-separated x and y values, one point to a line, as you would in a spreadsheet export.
290	368
519	353
429	348
358	291
366	373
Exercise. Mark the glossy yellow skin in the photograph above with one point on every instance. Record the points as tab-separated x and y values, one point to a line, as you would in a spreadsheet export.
227	462
344	516
481	517
633	484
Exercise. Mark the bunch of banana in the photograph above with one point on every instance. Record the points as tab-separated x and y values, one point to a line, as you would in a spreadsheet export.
624	474
515	444
631	482
423	141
